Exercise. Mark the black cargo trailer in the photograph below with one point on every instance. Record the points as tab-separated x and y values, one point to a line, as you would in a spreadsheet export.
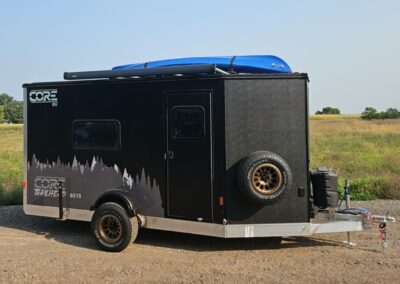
188	149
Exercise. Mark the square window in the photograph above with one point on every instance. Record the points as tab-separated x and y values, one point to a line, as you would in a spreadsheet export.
187	122
96	134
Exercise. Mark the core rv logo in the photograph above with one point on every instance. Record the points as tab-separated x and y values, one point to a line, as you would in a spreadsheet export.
44	96
50	187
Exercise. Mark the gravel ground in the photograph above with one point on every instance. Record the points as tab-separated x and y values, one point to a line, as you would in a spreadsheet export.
37	250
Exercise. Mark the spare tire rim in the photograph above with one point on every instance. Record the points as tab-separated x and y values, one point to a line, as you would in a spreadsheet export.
266	179
110	228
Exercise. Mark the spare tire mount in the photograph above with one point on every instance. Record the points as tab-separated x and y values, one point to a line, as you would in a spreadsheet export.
263	177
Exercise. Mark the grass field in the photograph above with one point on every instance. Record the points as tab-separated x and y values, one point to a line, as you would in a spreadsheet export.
365	152
11	164
334	116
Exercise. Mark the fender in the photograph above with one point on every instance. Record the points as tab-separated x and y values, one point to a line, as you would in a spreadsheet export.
123	197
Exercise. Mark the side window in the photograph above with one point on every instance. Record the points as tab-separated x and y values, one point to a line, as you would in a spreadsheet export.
96	134
187	122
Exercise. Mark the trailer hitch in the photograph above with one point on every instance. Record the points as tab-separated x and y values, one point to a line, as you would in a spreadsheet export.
382	228
367	218
368	222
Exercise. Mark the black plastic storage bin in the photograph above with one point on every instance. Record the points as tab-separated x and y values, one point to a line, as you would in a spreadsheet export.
325	188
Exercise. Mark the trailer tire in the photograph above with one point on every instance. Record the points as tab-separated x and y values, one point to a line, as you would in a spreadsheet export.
112	228
263	177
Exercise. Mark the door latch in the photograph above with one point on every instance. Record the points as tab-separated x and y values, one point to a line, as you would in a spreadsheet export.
169	155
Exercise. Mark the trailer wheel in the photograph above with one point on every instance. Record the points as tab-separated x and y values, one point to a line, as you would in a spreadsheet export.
112	228
263	177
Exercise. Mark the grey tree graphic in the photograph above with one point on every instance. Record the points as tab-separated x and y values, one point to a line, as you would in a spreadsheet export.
91	179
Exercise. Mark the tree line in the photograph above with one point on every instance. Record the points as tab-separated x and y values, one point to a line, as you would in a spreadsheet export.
372	113
11	110
368	113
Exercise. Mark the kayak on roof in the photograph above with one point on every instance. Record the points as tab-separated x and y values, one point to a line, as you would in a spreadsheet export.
238	64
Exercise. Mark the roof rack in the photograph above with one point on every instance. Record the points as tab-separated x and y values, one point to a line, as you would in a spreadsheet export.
144	72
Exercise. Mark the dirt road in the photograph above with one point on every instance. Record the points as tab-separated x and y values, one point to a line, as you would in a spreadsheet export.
34	249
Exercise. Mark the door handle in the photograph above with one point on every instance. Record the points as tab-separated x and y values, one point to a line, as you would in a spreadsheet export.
169	155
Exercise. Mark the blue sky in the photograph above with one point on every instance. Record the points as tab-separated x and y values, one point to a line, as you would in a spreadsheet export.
350	49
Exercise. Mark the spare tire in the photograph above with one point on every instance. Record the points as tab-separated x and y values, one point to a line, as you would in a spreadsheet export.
263	177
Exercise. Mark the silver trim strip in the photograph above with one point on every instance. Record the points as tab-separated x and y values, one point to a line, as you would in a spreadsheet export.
53	212
336	227
214	230
267	230
250	230
182	226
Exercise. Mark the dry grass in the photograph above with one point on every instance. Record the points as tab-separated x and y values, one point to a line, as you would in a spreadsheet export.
334	116
366	152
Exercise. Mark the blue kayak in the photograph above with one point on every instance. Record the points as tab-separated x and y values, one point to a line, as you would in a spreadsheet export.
238	64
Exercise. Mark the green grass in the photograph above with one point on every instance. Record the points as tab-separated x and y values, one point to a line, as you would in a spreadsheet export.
11	164
367	153
11	197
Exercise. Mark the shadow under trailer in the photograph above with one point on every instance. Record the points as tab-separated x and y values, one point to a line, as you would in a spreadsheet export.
215	147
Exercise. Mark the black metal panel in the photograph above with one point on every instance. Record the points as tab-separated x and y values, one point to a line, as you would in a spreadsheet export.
139	107
89	172
267	115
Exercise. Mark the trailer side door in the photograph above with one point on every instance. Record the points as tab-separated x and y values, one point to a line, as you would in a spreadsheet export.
189	155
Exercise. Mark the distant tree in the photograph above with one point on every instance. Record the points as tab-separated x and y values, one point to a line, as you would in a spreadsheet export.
392	113
5	99
329	110
12	109
13	112
372	113
1	114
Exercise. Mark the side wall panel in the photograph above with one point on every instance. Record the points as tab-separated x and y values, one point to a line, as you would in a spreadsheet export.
269	115
139	165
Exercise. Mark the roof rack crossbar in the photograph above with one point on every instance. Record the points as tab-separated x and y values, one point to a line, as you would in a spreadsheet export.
158	71
220	71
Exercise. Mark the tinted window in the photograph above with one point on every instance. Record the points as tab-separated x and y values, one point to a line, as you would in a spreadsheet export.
96	134
188	122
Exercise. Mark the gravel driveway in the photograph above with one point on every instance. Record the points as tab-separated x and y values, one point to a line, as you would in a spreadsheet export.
34	249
